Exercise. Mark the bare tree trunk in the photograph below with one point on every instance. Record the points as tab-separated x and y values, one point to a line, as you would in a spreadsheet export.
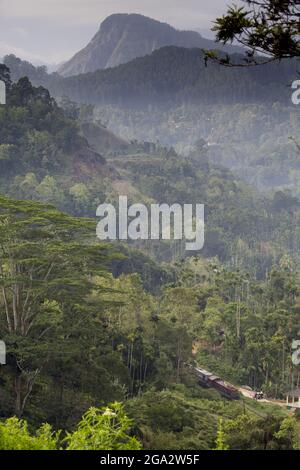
178	362
18	394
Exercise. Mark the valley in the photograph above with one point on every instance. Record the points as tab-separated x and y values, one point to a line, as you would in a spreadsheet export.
98	333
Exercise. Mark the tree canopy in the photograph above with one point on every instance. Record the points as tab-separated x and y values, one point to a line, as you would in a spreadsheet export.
268	27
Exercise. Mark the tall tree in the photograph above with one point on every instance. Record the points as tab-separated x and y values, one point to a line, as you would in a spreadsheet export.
47	263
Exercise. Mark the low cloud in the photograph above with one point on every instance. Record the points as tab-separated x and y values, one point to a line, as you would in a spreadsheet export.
184	13
36	59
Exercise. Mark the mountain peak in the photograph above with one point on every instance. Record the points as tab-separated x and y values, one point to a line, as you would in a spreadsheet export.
126	36
126	17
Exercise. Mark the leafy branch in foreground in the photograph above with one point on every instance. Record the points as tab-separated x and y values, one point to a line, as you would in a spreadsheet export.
100	429
267	27
105	429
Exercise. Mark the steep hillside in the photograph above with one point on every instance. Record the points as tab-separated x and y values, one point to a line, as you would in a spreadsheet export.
103	140
42	151
123	37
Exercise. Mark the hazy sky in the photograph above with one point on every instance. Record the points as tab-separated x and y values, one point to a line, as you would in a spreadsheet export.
53	30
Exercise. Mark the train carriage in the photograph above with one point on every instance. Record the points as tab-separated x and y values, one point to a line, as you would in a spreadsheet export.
209	380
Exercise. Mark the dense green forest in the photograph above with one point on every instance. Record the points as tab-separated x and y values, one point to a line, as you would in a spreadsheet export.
250	128
170	75
45	156
91	325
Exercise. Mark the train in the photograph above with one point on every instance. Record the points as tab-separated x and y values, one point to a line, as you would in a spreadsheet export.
209	380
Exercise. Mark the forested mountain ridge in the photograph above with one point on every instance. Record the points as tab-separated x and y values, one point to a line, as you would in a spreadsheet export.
245	117
173	75
123	37
169	76
36	133
56	165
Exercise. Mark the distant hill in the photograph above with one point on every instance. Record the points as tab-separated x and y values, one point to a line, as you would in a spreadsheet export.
169	76
173	75
123	37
